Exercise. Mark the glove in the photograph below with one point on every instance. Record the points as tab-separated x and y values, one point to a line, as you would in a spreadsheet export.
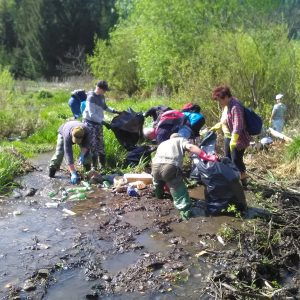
74	177
106	125
81	159
208	157
233	141
216	127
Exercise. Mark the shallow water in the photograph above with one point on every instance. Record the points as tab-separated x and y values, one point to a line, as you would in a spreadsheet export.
40	237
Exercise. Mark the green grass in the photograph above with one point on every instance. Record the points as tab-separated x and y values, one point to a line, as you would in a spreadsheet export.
293	150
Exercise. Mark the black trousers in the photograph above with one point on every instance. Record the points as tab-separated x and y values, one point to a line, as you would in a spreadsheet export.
236	156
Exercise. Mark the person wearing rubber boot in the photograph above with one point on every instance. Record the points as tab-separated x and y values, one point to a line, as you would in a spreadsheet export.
93	117
70	133
237	139
167	169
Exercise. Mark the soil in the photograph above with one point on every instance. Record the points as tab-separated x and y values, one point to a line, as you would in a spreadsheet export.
121	247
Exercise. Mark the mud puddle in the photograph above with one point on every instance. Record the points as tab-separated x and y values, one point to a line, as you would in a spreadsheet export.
114	247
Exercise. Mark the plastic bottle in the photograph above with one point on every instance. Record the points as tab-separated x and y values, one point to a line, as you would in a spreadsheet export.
132	192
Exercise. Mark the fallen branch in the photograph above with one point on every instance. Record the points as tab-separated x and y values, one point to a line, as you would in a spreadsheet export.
279	135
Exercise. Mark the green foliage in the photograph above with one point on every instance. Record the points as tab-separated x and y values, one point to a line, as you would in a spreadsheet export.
115	60
293	150
7	84
43	94
10	166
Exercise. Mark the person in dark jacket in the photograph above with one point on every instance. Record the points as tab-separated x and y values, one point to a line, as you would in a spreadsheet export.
75	102
70	133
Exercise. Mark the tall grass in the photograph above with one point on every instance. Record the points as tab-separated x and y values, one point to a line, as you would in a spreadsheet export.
10	166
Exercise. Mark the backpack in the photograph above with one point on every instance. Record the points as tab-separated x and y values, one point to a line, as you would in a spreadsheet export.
253	122
79	94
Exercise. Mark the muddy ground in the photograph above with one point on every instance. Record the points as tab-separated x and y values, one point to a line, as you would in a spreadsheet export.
121	247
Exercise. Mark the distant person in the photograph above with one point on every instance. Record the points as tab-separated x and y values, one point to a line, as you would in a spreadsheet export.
278	114
77	97
237	139
93	117
167	170
70	133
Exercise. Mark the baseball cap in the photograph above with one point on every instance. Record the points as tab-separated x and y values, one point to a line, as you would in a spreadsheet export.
279	96
77	135
102	84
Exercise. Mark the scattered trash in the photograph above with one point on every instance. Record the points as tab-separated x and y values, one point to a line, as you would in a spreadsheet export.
106	184
138	184
132	192
17	212
78	189
145	177
119	181
52	194
69	212
221	241
201	253
42	246
51	205
79	196
30	192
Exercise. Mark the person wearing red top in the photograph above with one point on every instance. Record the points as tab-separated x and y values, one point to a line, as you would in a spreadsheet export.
239	140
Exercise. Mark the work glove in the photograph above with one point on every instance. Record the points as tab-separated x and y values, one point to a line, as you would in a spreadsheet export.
207	157
74	177
106	125
233	141
216	127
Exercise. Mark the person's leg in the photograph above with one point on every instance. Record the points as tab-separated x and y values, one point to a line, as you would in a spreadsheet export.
102	157
238	160
173	177
57	158
158	183
227	147
94	142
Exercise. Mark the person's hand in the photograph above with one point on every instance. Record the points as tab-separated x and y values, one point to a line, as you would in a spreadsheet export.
233	141
207	157
74	177
216	127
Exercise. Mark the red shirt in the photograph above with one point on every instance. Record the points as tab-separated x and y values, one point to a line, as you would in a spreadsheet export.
236	123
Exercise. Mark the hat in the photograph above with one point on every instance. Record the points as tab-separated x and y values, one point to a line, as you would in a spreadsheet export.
102	84
175	135
77	135
279	96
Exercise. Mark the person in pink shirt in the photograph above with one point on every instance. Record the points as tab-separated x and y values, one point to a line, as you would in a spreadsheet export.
239	139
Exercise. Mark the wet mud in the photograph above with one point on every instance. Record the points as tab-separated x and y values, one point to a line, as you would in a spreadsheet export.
121	247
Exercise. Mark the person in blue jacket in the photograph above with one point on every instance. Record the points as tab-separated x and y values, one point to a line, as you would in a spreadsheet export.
77	97
194	120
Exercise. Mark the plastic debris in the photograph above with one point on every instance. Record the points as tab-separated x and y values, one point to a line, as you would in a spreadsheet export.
17	212
145	177
52	194
51	205
106	184
119	181
79	196
132	192
138	184
78	189
69	212
221	241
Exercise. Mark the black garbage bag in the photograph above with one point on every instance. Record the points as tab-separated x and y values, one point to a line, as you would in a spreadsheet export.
137	153
208	144
222	185
128	128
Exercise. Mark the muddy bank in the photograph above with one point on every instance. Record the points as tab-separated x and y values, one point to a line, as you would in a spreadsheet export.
121	247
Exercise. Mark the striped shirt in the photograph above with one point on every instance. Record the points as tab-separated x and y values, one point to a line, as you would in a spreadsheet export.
236	123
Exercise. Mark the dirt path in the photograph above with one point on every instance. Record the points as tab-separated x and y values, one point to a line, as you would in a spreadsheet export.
119	247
